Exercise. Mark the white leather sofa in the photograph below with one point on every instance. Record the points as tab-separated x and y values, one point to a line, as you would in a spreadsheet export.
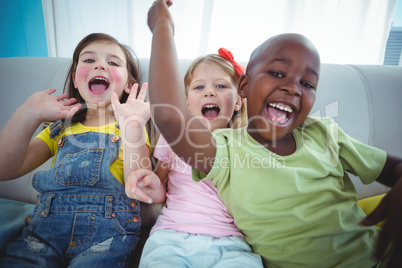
365	100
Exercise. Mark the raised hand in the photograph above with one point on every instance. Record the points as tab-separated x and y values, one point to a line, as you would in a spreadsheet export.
135	112
42	106
159	14
144	185
19	154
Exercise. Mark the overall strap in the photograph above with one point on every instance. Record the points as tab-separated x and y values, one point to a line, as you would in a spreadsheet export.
56	128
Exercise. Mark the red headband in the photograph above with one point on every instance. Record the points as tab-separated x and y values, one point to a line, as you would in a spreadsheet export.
229	56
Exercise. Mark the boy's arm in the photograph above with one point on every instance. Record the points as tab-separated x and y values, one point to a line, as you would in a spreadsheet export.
390	210
391	172
187	136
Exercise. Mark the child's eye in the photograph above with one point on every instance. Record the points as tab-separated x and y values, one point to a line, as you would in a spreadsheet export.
113	63
220	86
89	61
277	74
199	87
307	85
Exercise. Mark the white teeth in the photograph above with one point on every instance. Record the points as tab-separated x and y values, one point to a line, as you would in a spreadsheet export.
209	106
281	107
100	78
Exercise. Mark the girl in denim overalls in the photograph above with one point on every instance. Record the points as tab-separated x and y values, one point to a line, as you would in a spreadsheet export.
83	217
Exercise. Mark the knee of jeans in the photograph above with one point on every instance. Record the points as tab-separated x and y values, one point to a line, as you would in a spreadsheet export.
34	244
102	246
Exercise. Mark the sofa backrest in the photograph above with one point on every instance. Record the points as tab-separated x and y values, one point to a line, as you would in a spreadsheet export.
362	99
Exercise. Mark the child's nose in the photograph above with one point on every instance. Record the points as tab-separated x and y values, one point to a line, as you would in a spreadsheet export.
209	92
100	66
292	89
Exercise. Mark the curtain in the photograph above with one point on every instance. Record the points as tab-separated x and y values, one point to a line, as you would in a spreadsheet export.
344	31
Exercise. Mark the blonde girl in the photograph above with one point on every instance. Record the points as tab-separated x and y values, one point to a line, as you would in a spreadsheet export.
195	229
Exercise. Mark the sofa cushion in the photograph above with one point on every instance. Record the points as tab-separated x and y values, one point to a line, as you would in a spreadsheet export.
12	220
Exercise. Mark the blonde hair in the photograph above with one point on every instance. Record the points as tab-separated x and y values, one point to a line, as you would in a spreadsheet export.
239	118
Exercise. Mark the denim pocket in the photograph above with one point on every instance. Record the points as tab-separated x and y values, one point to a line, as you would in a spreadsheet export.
82	168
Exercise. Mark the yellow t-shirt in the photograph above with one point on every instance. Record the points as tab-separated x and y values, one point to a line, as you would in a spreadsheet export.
116	168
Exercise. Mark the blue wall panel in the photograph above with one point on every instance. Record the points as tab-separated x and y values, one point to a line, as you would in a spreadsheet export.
22	29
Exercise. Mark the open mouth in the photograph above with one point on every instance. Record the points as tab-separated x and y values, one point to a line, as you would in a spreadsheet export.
280	113
210	111
98	84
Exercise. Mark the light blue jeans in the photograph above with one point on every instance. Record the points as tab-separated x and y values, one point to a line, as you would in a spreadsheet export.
168	248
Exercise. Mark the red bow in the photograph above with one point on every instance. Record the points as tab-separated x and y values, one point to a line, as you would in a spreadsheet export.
229	56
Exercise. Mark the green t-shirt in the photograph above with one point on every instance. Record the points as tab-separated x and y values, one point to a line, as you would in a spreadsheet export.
298	210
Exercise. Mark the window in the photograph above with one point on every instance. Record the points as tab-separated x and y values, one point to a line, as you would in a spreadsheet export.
394	47
344	31
394	43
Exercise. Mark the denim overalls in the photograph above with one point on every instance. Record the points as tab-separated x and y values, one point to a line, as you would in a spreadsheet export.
83	217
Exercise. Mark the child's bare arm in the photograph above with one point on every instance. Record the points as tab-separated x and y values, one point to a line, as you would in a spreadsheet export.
132	117
390	210
391	172
188	137
18	154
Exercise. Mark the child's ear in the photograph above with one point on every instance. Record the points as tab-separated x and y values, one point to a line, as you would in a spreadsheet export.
243	86
128	87
238	104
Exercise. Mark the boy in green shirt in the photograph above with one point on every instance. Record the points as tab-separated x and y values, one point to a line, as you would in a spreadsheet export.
283	177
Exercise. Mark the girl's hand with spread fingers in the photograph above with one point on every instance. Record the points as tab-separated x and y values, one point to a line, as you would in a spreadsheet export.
42	106
135	112
20	153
